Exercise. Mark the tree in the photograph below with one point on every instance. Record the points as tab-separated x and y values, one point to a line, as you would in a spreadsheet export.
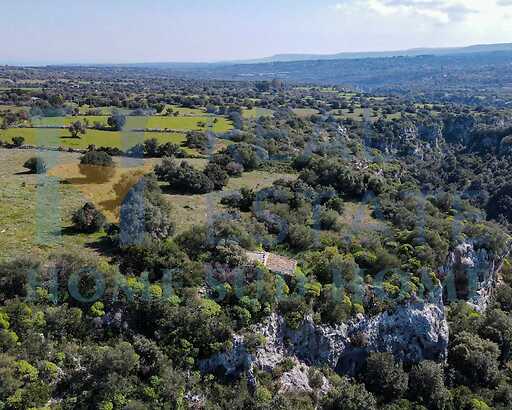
18	141
474	359
145	214
56	100
151	148
300	237
170	150
217	175
251	157
36	165
183	177
349	396
426	385
197	140
76	129
385	377
500	204
88	219
497	327
116	121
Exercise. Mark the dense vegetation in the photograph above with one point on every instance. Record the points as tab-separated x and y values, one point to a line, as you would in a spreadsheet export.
380	190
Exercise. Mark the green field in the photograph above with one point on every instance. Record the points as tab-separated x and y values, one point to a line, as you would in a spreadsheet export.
67	121
104	110
184	110
61	137
180	123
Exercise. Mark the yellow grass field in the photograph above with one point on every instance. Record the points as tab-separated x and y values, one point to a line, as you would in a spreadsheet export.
103	195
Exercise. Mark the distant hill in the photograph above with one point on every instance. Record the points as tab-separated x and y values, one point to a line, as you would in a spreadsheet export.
426	70
481	48
478	70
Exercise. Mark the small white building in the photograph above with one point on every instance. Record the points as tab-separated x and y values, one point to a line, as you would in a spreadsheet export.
274	263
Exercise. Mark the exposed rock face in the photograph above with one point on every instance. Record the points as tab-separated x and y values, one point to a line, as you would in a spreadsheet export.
431	133
471	273
297	379
414	332
408	137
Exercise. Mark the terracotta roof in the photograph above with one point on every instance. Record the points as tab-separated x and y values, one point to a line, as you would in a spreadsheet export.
275	263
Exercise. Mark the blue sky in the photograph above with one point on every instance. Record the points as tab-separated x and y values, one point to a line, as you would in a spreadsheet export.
198	30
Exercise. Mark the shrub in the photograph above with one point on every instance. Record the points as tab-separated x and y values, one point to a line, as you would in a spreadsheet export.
328	219
217	175
315	378
249	156
300	237
36	165
88	219
18	141
234	169
193	241
183	177
154	257
145	213
336	204
500	204
14	276
197	140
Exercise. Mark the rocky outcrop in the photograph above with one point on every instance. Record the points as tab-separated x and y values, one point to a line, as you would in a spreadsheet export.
417	138
471	273
414	332
431	133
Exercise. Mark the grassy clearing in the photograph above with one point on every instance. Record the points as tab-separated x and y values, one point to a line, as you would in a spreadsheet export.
185	123
305	112
13	108
19	199
257	112
195	209
20	194
181	123
358	217
102	195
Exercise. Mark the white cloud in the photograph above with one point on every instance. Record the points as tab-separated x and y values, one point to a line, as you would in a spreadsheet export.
437	11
